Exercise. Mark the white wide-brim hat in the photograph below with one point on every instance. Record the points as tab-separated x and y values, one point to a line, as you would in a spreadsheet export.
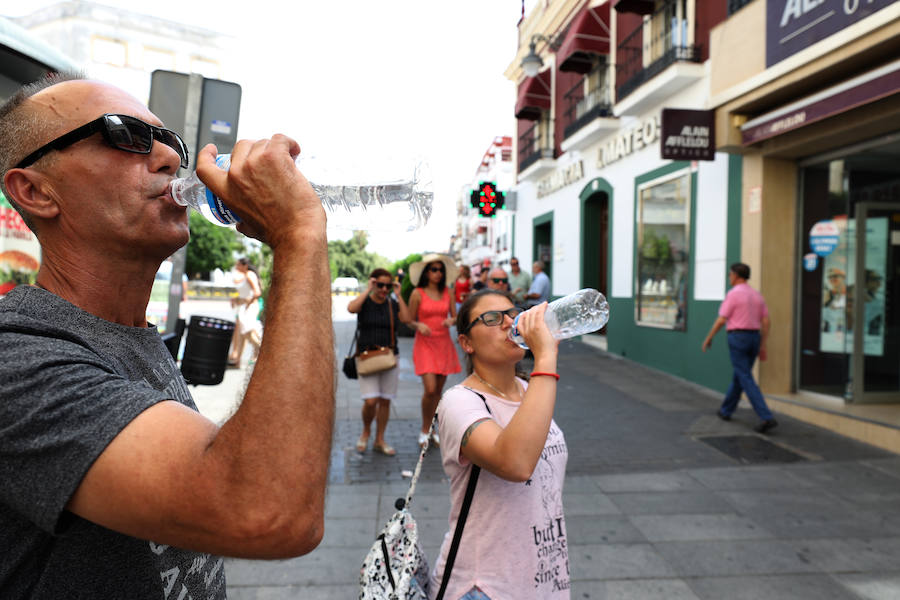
452	271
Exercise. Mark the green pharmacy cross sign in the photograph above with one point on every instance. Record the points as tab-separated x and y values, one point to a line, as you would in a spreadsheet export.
488	199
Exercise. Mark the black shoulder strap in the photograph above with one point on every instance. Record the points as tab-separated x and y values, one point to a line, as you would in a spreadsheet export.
355	338
463	514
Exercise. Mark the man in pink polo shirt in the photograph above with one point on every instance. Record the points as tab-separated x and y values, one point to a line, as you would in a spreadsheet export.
747	317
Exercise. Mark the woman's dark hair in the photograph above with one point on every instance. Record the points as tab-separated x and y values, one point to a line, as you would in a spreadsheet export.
464	316
244	261
423	278
379	272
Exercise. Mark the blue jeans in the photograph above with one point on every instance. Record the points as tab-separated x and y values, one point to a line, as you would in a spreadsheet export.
743	346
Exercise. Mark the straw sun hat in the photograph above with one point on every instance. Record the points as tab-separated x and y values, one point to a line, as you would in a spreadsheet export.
415	269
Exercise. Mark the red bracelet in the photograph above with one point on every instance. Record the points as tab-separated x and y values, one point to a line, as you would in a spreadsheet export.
534	373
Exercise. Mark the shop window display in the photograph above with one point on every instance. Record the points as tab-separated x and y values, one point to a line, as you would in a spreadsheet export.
663	218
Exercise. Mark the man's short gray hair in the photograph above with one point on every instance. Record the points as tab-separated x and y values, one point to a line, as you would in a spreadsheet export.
20	127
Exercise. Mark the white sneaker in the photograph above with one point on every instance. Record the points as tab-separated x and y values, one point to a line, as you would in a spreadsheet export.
435	440
423	439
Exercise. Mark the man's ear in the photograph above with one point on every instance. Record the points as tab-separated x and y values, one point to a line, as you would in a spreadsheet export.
28	189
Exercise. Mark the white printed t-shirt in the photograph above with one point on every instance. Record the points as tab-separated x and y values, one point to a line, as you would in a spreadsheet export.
514	541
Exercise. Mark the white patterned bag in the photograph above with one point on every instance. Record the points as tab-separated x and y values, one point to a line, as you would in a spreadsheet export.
396	567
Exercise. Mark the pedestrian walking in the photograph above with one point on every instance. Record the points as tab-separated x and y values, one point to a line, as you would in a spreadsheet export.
114	485
746	317
514	542
247	326
378	329
434	353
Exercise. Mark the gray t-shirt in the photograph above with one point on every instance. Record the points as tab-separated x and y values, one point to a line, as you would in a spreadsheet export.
69	383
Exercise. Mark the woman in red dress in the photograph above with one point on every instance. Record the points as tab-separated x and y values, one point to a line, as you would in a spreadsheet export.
434	353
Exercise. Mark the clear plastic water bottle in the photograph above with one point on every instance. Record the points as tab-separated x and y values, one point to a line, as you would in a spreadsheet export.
576	314
394	204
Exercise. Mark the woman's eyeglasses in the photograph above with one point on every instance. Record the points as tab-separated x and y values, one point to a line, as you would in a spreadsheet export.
119	131
436	269
493	318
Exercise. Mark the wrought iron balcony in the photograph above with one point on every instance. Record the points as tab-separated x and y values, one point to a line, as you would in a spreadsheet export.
582	107
641	60
532	147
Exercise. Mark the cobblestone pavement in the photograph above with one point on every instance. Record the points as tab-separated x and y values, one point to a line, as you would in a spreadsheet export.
662	499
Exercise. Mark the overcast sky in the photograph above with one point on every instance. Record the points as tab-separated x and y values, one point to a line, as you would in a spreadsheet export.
360	78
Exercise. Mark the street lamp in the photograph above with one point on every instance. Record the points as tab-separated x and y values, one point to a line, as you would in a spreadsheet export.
532	63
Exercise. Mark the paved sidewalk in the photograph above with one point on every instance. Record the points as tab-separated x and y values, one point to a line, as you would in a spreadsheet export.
662	499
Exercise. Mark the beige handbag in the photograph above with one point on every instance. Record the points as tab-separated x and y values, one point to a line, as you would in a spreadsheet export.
369	362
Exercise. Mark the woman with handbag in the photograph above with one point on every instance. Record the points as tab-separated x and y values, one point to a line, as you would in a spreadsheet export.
376	354
512	538
434	354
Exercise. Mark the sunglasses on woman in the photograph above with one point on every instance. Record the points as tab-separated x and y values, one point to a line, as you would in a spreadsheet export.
119	131
436	269
493	318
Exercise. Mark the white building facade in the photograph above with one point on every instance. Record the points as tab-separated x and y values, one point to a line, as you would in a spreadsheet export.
478	238
596	201
124	48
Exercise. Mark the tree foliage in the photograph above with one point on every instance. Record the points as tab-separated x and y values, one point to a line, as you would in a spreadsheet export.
211	247
348	258
408	285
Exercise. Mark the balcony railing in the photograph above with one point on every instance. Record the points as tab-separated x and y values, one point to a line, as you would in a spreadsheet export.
583	107
531	147
661	50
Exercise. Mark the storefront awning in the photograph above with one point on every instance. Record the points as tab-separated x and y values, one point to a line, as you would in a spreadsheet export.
641	7
534	96
863	89
588	35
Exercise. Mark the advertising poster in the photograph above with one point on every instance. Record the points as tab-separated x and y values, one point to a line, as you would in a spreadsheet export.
839	296
20	252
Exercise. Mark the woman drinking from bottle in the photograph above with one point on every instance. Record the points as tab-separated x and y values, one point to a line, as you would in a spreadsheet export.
513	544
434	354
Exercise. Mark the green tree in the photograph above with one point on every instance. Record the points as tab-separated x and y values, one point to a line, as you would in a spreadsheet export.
349	258
408	285
211	247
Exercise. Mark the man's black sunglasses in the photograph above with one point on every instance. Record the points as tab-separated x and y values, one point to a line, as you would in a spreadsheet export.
493	318
121	132
383	286
499	280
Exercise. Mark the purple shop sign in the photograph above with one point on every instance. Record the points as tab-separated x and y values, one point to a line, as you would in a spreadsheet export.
863	89
792	25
